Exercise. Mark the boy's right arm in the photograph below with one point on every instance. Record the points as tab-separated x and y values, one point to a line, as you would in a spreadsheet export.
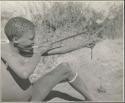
22	69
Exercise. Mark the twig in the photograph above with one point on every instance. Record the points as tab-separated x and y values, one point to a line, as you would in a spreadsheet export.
91	53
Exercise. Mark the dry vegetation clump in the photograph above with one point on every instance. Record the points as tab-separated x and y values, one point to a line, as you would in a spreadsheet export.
66	19
69	18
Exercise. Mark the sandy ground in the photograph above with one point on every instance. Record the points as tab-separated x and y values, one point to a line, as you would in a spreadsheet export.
103	74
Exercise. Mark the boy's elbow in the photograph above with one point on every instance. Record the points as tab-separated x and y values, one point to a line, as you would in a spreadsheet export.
24	82
25	75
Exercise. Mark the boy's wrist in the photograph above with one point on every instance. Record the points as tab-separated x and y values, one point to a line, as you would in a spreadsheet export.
37	53
36	50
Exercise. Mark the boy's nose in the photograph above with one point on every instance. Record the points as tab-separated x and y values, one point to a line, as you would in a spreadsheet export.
16	43
24	42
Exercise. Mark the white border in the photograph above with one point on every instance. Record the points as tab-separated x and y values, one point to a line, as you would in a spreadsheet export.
69	1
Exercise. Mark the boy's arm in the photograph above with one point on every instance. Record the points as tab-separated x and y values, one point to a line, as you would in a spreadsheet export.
70	45
22	69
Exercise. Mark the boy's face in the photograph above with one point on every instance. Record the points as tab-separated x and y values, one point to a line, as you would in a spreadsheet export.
25	43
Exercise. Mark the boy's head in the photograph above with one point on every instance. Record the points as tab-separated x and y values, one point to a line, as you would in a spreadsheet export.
21	32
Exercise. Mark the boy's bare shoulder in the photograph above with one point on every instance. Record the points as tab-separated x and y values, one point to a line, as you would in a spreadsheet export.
5	46
5	49
8	55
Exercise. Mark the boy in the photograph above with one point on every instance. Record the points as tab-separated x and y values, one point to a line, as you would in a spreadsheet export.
21	57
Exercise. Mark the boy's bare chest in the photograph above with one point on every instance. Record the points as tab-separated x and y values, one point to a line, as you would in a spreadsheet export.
17	57
22	60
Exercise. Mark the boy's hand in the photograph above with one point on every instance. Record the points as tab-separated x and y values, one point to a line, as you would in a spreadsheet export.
90	45
42	48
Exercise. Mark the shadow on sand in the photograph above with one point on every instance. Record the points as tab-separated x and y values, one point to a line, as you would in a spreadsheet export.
53	94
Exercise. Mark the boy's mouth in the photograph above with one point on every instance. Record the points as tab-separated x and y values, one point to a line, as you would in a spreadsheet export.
27	52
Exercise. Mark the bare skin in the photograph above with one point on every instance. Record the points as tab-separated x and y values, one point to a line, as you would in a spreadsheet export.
78	85
11	55
61	73
25	69
72	44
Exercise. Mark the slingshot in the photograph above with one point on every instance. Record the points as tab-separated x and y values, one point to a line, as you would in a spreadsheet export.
90	43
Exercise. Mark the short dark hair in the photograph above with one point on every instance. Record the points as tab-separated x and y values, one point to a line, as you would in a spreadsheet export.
16	27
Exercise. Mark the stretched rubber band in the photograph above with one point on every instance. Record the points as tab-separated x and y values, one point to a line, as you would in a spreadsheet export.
74	78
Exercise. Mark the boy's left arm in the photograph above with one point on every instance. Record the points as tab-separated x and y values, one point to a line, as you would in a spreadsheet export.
70	45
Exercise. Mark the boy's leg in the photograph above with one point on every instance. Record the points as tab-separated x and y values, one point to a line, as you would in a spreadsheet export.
80	86
43	86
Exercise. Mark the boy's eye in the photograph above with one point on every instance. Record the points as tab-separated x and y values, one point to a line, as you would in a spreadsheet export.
31	38
15	39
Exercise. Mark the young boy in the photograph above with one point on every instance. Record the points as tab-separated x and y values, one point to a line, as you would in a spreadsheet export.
21	57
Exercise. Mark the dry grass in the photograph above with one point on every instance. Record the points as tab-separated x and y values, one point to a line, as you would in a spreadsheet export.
64	19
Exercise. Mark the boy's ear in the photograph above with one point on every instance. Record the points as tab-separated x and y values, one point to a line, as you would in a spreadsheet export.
15	39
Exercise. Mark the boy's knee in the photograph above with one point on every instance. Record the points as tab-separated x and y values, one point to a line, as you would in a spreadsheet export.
65	67
66	70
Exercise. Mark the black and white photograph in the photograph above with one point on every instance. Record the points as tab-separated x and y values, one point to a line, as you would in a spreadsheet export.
62	51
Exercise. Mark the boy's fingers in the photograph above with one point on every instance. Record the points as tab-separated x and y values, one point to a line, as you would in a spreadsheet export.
90	45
